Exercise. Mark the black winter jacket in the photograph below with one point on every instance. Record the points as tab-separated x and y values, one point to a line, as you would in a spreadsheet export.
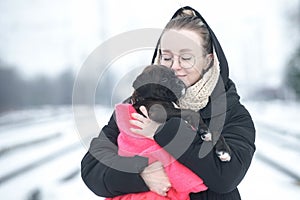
107	174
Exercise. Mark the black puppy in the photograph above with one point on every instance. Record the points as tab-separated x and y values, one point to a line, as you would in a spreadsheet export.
158	89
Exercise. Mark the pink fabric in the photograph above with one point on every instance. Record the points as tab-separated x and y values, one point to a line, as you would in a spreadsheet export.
183	180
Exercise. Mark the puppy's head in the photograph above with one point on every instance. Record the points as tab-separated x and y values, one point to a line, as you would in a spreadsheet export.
159	83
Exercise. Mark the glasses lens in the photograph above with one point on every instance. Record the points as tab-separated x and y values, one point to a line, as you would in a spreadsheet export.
166	60
187	60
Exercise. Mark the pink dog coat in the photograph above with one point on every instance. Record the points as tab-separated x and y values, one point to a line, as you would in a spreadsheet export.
183	180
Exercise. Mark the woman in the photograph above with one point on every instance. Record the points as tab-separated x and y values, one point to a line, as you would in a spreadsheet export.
190	48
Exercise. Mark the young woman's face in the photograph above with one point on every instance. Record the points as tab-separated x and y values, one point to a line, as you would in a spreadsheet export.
182	51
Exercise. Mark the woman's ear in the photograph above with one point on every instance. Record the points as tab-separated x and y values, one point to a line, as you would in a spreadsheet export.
209	60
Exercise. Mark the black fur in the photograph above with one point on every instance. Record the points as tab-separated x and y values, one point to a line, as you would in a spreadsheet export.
158	89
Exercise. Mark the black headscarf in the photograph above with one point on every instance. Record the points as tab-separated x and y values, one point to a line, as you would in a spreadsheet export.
218	49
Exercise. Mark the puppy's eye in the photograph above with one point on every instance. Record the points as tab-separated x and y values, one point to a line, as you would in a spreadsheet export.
164	80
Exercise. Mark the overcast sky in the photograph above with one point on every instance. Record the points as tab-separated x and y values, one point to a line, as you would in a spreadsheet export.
47	37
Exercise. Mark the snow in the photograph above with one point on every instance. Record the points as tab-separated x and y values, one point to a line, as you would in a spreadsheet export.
59	178
264	182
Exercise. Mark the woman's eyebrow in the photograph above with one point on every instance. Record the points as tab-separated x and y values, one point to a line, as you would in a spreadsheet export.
166	51
180	51
185	50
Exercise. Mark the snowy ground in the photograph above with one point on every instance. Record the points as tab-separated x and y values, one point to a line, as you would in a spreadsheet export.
275	171
40	157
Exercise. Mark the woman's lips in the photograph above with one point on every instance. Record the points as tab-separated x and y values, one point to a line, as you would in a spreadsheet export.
180	76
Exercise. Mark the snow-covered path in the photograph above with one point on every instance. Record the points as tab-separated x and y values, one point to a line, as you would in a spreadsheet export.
58	177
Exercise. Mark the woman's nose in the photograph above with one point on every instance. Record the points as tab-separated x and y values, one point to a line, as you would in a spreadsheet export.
176	64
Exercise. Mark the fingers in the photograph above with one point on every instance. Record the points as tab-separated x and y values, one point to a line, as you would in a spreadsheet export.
136	131
165	191
136	123
140	121
144	111
139	117
160	188
145	126
156	178
168	186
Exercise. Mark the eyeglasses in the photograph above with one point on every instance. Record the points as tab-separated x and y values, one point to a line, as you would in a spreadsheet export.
185	60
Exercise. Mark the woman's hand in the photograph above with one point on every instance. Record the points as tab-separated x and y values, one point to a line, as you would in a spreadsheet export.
146	126
156	178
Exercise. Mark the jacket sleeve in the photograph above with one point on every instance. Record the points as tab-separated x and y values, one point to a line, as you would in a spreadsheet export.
185	144
105	172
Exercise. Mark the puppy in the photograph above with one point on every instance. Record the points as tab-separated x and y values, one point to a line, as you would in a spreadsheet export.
158	89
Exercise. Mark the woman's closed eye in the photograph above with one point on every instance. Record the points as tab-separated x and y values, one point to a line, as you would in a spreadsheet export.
186	57
166	57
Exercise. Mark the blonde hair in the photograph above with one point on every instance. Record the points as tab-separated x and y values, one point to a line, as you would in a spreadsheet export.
186	13
192	23
187	19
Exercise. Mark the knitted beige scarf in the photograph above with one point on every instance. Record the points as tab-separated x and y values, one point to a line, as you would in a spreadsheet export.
197	95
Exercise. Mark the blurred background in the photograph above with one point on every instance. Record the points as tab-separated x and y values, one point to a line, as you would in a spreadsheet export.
44	45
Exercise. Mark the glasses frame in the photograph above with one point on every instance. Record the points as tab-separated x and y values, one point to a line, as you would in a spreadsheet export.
178	60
